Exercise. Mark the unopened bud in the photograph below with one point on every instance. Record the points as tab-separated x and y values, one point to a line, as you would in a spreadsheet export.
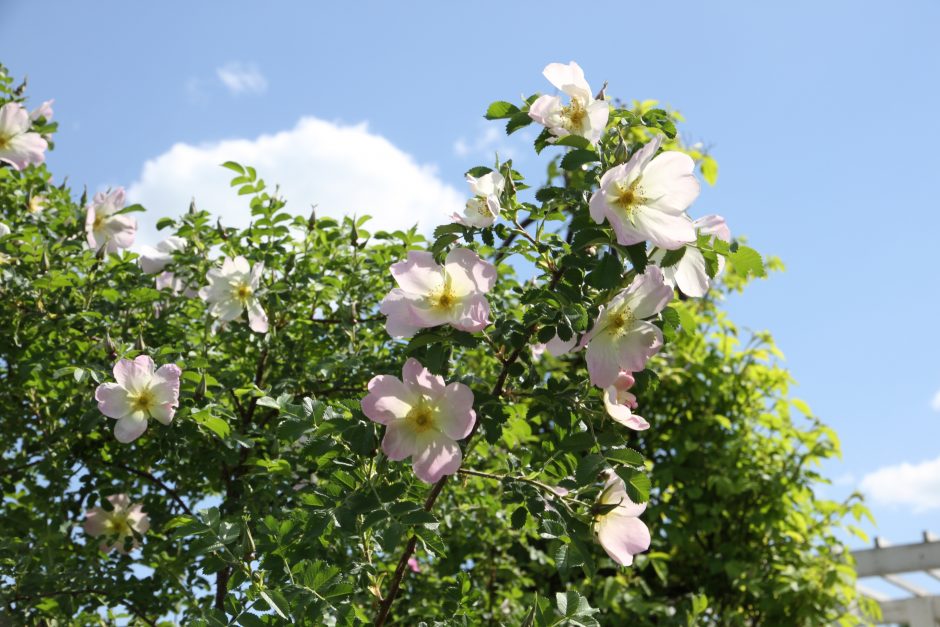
45	260
109	346
192	206
21	89
140	344
84	199
220	229
201	388
602	94
312	220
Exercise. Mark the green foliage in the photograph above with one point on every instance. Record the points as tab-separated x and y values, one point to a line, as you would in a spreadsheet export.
269	498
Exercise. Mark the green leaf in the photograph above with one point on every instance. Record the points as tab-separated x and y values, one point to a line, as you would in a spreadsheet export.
709	168
517	121
747	261
637	483
574	141
576	158
234	167
501	109
672	257
658	118
637	254
276	602
162	223
607	273
626	456
215	424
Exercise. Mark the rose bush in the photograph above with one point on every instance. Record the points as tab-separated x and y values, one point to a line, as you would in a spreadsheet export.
503	479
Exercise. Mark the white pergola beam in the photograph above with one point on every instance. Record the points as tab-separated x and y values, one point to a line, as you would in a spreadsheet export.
904	558
906	585
919	612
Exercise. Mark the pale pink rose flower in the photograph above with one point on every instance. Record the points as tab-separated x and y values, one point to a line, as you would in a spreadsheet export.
690	273
232	289
169	281
429	295
42	111
119	524
18	146
104	227
413	564
141	392
619	403
583	115
555	347
620	531
621	338
483	209
155	259
424	418
4	231
37	204
645	199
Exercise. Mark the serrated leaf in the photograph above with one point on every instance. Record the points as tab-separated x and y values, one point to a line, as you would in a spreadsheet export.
746	260
626	456
574	159
276	602
500	109
517	121
574	141
672	257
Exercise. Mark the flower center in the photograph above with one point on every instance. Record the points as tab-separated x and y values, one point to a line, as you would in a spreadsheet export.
99	221
574	115
621	321
445	298
421	418
627	197
117	523
243	292
142	400
479	205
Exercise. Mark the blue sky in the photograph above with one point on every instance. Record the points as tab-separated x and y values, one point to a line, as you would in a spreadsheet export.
822	115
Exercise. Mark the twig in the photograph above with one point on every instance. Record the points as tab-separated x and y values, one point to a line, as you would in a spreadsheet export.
150	477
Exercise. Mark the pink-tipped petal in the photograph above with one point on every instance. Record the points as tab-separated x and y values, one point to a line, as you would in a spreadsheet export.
455	415
420	380
95	521
464	261
401	321
623	537
388	399
112	400
437	455
129	428
418	274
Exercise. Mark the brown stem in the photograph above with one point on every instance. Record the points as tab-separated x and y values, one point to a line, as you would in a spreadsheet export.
386	604
150	477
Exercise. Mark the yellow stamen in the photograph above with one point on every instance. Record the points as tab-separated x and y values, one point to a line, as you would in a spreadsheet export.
574	115
421	418
142	400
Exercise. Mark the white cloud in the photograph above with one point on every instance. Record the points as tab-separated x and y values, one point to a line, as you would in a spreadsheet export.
491	139
342	169
935	403
916	486
241	78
